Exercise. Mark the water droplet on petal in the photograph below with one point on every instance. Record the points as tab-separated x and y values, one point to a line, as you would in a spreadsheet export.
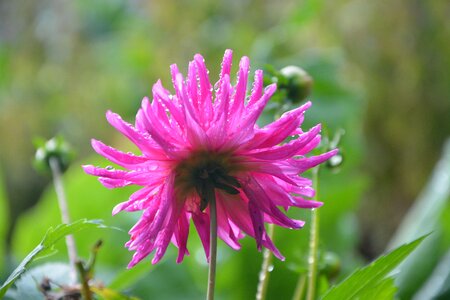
109	168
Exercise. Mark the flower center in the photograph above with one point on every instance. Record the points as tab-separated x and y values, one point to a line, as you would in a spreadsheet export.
204	171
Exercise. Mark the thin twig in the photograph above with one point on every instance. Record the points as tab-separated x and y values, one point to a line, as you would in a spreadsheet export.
62	202
300	288
85	290
313	242
264	274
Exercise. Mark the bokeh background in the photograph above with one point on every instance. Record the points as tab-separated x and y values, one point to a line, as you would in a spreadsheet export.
380	70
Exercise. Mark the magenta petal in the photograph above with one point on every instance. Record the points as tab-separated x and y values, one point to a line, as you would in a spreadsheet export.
198	129
276	132
257	88
241	85
257	221
294	147
181	236
226	64
201	222
304	164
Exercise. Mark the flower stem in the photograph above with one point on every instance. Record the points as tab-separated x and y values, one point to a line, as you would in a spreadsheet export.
211	196
300	288
313	242
62	202
264	274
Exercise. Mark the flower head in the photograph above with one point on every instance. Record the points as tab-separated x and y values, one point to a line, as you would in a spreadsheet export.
204	140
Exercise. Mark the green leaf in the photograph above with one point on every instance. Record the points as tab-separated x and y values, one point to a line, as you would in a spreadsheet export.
370	278
386	289
45	247
26	287
426	215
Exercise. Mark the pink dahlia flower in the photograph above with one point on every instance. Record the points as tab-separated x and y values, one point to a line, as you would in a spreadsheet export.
202	139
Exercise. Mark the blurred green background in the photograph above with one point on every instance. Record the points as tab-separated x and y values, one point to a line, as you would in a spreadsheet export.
380	70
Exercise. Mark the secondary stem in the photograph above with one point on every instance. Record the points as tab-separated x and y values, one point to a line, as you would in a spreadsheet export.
213	243
62	202
301	283
313	242
85	290
264	274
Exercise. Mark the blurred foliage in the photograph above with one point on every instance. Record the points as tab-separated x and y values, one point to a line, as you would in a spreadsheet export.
4	223
26	286
402	51
380	72
425	216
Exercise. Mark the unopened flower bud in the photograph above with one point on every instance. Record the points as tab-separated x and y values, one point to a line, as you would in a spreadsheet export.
330	265
299	83
57	148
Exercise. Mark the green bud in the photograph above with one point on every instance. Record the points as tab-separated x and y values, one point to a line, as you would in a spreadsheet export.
298	83
330	265
57	148
336	161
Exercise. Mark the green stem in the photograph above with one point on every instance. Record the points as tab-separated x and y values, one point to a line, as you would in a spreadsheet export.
313	242
264	274
300	288
85	290
62	202
211	197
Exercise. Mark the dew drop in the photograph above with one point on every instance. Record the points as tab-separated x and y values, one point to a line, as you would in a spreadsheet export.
109	168
270	268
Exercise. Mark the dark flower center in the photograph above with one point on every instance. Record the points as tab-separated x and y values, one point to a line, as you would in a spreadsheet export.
205	171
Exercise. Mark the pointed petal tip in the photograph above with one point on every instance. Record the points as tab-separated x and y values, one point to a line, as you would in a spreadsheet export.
112	117
244	63
95	143
88	169
155	260
132	263
270	89
330	154
199	58
116	209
